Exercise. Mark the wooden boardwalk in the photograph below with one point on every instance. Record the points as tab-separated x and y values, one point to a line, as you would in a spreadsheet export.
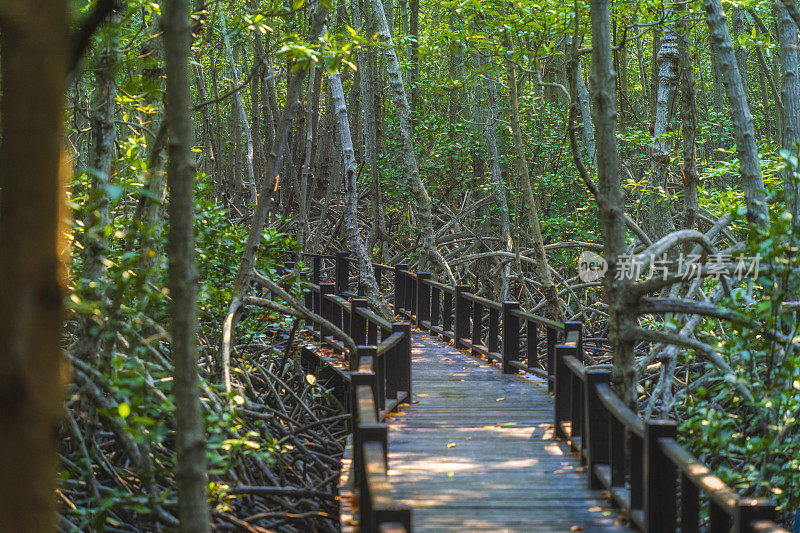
474	451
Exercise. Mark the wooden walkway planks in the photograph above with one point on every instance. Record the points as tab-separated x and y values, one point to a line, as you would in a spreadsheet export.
474	452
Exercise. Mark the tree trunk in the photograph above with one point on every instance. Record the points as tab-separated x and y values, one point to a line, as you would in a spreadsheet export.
549	289
265	198
749	165
35	49
423	201
249	159
668	75
611	202
414	33
305	174
365	269
688	124
498	186
790	97
370	134
190	470
586	116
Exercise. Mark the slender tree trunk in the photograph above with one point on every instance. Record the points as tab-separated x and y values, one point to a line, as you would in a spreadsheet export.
611	202
249	159
749	165
498	186
35	50
668	76
104	136
688	124
190	470
213	145
370	134
586	116
365	269
265	199
423	201
414	33
549	289
305	174
790	97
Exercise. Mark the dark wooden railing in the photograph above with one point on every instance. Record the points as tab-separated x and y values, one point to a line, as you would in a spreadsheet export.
648	474
377	376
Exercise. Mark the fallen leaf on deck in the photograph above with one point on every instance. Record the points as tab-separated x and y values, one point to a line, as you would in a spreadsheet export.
500	400
576	528
451	444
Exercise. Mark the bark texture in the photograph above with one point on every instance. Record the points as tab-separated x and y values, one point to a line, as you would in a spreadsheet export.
365	269
668	75
611	201
749	164
790	97
189	431
688	125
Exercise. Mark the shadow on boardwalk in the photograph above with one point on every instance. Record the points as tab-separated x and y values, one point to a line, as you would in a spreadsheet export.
474	451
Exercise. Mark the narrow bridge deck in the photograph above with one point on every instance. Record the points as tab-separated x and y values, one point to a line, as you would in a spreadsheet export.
474	451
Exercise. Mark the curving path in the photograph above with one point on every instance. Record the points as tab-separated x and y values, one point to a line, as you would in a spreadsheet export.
474	451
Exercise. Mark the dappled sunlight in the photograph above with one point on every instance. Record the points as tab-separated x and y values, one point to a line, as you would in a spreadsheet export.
459	451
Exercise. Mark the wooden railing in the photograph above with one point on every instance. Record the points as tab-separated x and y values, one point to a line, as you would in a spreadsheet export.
378	375
648	474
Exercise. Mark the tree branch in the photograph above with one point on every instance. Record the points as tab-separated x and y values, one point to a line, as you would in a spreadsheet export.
701	348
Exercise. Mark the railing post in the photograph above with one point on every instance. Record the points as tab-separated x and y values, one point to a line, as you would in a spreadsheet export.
749	510
411	295
398	363
379	367
510	337
447	315
436	308
461	326
357	379
575	326
561	399
477	327
423	299
358	326
552	340
533	347
326	308
596	437
660	478
492	343
342	272
308	301
316	270
399	286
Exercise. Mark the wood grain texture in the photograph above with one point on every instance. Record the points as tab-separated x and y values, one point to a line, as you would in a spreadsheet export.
474	451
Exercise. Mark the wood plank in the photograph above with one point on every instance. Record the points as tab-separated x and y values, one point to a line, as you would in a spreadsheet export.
473	450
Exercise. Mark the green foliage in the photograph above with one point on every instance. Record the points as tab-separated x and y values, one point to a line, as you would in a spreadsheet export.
754	443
